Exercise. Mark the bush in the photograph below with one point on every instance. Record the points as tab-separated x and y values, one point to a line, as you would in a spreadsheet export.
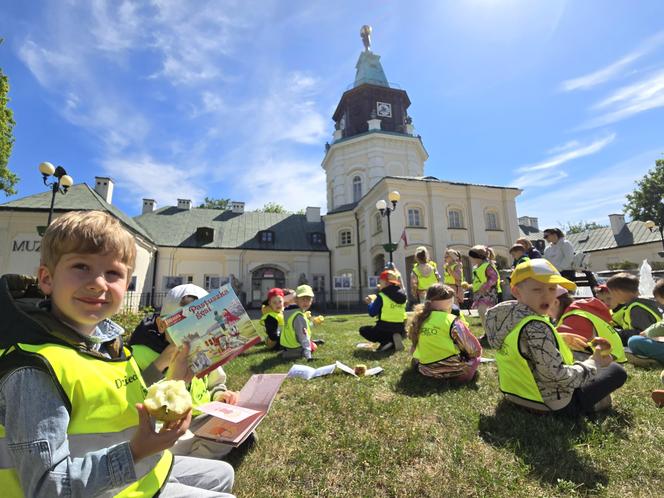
129	319
657	265
623	265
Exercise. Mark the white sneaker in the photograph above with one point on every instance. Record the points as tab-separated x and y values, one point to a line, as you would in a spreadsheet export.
398	342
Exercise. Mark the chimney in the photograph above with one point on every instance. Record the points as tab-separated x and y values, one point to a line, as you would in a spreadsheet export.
313	214
617	223
184	204
524	220
534	222
148	206
237	207
104	187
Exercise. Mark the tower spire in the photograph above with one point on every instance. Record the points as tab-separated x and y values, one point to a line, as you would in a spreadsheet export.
369	68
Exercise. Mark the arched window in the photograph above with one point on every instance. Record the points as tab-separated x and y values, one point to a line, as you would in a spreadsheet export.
492	220
357	188
455	218
414	217
345	238
379	222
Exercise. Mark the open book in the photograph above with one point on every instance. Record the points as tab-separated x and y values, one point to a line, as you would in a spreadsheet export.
216	327
306	372
232	424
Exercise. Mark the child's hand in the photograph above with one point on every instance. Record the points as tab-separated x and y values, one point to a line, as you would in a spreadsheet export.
230	397
165	358
574	341
178	368
146	441
602	354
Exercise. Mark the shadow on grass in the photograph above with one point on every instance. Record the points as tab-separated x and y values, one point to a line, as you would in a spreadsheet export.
547	443
414	384
367	354
269	363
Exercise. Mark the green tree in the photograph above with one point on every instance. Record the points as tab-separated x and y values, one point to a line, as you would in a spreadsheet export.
7	179
646	202
272	207
211	203
580	226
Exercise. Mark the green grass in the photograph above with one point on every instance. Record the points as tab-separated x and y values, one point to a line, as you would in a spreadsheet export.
401	435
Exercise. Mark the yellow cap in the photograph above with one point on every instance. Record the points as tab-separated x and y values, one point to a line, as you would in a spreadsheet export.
541	270
304	290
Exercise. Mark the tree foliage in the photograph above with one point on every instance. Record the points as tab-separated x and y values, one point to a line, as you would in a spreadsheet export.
580	226
211	203
646	202
7	179
272	207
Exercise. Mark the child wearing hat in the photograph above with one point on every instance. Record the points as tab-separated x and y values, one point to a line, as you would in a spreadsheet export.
536	368
272	310
390	308
295	338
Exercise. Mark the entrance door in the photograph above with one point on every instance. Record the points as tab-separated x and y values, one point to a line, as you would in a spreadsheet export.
266	285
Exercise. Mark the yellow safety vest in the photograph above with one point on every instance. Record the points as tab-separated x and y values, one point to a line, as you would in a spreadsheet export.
604	330
288	338
423	283
198	388
435	342
279	317
102	395
514	374
479	277
391	311
623	317
449	274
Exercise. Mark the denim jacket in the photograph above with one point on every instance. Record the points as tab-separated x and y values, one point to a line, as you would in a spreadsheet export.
36	436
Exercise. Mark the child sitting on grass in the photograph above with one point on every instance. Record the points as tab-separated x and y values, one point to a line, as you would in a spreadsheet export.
631	313
272	312
649	344
443	346
81	428
536	369
295	339
390	308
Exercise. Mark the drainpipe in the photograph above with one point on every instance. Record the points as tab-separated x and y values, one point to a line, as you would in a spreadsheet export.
359	261
154	277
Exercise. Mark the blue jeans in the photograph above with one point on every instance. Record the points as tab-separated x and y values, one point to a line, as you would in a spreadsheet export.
645	346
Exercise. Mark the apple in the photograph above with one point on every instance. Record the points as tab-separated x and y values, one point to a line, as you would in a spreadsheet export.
360	370
168	400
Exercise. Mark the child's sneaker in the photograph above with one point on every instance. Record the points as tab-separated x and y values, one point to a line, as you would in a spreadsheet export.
386	347
658	397
398	341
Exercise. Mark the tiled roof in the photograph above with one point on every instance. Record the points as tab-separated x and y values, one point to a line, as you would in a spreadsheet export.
174	227
633	233
344	207
79	197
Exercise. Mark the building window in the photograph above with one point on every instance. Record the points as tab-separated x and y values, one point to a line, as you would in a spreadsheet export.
318	283
414	217
266	237
379	222
212	282
175	280
455	218
492	220
357	188
345	238
317	239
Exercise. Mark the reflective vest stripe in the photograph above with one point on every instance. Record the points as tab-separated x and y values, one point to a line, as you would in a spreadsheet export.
288	338
604	330
391	311
514	374
423	283
435	342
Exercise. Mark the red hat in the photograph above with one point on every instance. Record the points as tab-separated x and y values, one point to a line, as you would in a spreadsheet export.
390	276
275	291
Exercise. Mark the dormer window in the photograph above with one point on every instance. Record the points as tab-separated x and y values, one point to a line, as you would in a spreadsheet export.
266	237
317	239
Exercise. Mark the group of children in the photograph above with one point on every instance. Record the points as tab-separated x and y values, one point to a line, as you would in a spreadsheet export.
81	428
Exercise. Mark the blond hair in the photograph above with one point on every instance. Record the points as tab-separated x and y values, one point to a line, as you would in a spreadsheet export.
87	232
436	292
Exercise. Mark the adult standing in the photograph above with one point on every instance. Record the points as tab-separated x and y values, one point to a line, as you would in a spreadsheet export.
560	252
531	251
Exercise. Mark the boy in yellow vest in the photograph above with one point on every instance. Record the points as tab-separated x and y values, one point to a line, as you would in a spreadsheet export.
631	313
536	369
389	306
295	339
80	428
648	347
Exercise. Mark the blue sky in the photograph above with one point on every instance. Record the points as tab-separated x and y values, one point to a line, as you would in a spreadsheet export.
234	99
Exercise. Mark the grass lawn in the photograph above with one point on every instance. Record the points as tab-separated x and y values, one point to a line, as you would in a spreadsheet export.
398	434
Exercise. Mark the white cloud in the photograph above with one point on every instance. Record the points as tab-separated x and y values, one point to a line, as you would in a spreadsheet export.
591	198
616	68
629	100
539	179
572	150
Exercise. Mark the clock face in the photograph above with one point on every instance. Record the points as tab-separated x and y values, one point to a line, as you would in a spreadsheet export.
383	109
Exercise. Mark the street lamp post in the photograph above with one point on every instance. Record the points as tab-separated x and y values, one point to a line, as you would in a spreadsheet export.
650	225
61	183
386	211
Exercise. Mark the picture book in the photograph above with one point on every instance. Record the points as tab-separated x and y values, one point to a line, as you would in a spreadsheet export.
254	401
307	373
216	327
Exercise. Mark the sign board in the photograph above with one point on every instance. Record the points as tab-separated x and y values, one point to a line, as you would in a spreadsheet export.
24	253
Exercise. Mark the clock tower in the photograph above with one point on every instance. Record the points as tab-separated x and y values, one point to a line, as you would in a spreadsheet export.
374	136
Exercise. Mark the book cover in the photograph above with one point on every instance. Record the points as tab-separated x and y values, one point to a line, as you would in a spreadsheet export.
216	327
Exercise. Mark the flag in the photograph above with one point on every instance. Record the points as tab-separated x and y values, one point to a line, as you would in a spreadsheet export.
404	237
